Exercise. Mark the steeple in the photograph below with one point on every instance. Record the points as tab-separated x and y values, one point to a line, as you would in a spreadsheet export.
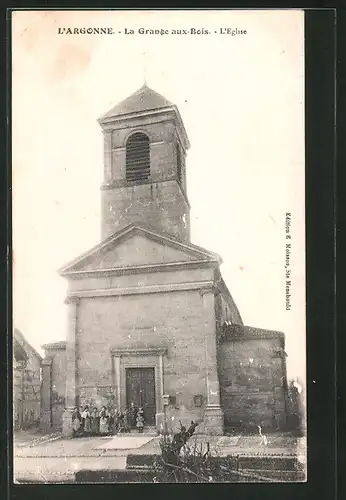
145	144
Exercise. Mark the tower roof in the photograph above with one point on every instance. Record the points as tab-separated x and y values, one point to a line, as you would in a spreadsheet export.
142	102
144	99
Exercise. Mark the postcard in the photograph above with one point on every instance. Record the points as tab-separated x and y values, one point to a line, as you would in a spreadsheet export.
158	246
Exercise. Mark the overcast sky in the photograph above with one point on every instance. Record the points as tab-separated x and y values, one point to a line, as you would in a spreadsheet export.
242	101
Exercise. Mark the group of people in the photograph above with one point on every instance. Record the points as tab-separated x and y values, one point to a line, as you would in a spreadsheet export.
107	421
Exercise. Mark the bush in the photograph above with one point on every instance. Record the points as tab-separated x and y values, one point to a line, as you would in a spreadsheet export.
182	461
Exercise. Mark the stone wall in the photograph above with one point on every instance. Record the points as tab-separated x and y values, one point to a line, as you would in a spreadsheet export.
27	390
53	385
173	320
226	310
161	205
58	386
160	201
140	280
251	371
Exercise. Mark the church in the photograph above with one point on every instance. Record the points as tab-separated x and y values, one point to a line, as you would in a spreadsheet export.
150	318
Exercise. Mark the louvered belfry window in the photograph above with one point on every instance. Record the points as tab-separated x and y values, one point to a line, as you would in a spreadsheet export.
137	157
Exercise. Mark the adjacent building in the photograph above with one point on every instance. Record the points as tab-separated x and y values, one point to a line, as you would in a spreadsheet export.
26	383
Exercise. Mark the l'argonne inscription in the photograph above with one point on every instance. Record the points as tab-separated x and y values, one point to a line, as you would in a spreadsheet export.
288	281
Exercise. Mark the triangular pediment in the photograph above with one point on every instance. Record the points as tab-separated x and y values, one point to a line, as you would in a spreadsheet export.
137	246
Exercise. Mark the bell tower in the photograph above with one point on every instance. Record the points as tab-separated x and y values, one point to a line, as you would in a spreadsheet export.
145	145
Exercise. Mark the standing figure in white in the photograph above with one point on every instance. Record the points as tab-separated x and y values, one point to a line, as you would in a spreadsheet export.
264	440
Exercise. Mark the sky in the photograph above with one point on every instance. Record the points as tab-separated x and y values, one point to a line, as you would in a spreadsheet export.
242	102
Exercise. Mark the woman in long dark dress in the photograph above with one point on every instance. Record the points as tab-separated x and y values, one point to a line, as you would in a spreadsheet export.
76	421
116	424
132	414
121	421
95	422
111	421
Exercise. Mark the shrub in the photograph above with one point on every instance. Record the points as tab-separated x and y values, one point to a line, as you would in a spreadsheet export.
184	461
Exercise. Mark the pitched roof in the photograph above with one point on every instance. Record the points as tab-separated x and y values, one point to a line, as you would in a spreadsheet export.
19	337
19	351
144	99
150	232
233	331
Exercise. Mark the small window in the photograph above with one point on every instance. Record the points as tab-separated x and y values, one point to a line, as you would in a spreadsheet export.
198	400
137	157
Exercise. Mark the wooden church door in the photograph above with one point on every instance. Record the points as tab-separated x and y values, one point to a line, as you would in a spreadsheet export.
140	388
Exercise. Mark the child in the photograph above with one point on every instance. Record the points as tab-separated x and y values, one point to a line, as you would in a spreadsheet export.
140	421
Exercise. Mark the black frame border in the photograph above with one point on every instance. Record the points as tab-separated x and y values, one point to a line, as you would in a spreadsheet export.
320	49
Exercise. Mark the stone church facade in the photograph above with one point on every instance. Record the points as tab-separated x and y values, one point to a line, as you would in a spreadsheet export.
150	318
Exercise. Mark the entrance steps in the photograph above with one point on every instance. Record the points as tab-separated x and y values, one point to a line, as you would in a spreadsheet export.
147	431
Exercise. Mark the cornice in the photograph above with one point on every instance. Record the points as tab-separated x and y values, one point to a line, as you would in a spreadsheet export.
141	290
107	122
146	268
71	300
123	183
211	288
